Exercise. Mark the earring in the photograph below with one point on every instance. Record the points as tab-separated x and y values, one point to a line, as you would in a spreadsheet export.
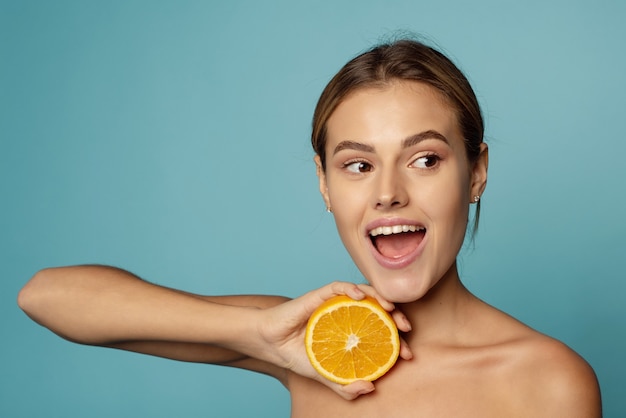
329	209
476	198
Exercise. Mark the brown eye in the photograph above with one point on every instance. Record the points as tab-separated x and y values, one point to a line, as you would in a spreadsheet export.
427	161
359	167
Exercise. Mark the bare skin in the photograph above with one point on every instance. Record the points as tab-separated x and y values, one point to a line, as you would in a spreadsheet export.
395	157
109	307
478	362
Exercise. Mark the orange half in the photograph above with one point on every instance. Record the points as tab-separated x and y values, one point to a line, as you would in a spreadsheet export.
348	340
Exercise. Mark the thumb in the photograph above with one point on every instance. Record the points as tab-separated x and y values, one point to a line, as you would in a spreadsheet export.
355	389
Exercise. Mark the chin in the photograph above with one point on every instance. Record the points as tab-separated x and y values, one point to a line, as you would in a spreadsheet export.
401	289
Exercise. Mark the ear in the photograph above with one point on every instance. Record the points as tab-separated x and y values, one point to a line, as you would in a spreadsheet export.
321	175
479	172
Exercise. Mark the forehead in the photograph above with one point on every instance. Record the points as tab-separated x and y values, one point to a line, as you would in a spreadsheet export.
394	110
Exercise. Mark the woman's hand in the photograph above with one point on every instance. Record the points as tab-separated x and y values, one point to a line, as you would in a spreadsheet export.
283	328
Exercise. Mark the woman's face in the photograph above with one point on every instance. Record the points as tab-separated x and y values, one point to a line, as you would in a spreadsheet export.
399	184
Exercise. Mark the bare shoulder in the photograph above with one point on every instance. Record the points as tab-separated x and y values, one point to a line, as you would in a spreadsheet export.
560	380
550	377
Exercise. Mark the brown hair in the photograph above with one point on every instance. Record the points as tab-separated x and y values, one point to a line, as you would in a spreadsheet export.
407	60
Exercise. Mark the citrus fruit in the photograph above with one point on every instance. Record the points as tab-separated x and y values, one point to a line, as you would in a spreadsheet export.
348	340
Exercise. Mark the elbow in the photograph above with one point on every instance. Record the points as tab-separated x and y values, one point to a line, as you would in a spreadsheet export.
32	295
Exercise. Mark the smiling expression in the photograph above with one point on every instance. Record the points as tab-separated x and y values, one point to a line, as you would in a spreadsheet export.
399	184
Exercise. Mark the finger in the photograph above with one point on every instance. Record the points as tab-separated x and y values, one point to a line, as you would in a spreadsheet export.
401	321
405	350
340	288
370	291
316	297
355	292
355	389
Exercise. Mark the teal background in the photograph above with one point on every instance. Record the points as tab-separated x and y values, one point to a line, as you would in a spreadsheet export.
171	138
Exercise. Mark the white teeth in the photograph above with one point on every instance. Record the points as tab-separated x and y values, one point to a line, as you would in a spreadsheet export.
395	229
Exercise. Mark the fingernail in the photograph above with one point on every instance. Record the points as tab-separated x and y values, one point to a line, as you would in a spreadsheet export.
407	323
356	292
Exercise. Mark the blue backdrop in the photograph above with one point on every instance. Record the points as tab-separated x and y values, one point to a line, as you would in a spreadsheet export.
171	138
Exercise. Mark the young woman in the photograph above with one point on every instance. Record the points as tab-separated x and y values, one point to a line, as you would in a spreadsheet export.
398	136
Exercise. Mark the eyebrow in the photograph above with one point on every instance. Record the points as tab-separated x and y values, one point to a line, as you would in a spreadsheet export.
406	142
417	138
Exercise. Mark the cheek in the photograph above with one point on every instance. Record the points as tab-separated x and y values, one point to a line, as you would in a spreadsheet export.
345	195
448	200
349	202
346	204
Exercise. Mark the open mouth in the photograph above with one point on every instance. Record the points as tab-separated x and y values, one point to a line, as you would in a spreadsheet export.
397	241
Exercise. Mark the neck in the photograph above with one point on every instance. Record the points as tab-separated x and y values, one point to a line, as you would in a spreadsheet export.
442	313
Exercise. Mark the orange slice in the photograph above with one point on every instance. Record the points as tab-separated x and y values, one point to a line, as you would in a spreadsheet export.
348	340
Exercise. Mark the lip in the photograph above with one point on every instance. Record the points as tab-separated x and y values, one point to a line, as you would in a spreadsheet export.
395	263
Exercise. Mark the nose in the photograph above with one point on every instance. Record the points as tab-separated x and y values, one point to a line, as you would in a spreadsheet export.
390	190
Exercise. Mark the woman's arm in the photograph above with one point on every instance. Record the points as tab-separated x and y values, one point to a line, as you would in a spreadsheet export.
110	307
204	352
101	305
106	306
